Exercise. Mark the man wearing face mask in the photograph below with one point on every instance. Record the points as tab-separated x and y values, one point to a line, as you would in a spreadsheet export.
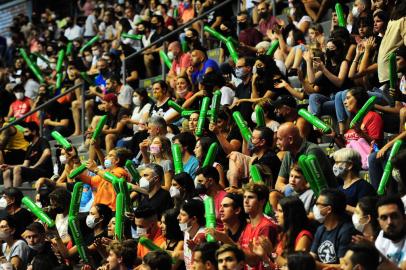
391	241
180	61
10	205
243	71
207	183
191	223
37	161
249	36
360	9
146	221
267	21
13	146
34	235
21	105
158	199
333	237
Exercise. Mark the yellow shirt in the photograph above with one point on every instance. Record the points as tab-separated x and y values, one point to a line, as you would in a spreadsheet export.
16	141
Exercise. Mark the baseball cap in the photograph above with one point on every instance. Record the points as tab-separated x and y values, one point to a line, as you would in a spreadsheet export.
285	100
110	98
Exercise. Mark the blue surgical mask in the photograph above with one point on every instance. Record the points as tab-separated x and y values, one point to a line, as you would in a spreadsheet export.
240	73
107	163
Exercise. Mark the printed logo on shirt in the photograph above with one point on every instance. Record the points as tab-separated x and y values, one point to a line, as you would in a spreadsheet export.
326	252
396	257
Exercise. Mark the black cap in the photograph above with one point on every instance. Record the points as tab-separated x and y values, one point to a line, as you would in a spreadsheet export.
285	100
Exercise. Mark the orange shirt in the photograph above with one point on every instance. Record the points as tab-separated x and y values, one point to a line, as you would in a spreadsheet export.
158	239
103	190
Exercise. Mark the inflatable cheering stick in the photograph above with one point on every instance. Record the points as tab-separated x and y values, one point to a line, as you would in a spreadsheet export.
202	116
75	200
77	171
73	223
131	36
388	167
314	120
86	78
210	215
133	171
211	155
89	43
256	174
272	49
59	77
363	111
232	51
177	158
242	126
175	106
33	68
215	106
99	127
316	172
59	63
61	140
215	34
38	212
119	228
307	174
188	113
165	58
69	48
340	15
260	116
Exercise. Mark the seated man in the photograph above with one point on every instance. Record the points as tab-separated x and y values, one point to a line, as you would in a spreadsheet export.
37	161
12	145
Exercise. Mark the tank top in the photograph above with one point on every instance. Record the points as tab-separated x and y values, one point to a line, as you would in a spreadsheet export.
16	141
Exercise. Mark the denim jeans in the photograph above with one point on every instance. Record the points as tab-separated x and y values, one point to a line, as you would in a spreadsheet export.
321	105
341	113
375	169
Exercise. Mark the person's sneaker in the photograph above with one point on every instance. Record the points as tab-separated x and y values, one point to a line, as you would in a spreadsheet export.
83	148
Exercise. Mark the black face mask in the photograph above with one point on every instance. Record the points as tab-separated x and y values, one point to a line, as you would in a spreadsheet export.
29	138
331	53
263	15
201	189
243	25
141	32
261	71
154	26
57	209
189	39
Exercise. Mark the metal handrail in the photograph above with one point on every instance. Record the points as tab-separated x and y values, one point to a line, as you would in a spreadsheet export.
173	32
40	107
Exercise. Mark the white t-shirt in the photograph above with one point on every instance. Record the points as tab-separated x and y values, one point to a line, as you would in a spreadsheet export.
227	95
138	113
73	32
31	89
187	252
61	224
395	252
124	98
89	26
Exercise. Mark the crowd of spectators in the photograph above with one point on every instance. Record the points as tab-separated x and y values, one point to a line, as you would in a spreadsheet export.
280	223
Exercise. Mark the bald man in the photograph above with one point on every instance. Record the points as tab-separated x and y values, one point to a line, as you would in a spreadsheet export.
289	140
201	65
180	61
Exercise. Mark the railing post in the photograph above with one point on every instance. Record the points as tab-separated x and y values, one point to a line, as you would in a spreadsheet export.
83	112
124	74
202	33
41	123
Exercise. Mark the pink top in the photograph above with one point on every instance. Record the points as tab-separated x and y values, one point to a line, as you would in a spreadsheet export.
184	61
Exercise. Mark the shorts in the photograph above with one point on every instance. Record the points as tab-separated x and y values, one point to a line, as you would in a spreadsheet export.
33	174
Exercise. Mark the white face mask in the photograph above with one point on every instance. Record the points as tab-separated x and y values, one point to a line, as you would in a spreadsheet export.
254	117
356	220
174	192
52	66
91	221
39	204
141	232
355	11
171	55
89	58
62	159
136	101
36	247
145	184
317	214
4	235
19	95
396	175
185	227
3	203
339	171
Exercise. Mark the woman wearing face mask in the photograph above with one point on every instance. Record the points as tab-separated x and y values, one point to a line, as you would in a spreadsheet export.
113	163
173	235
347	167
183	88
295	42
201	149
14	250
182	189
365	219
160	153
21	105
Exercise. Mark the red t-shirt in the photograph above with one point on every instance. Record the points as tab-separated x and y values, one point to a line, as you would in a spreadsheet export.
372	124
184	61
265	227
20	107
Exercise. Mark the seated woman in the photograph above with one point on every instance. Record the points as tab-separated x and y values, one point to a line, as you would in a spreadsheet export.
347	167
365	219
201	149
159	152
182	189
364	135
15	251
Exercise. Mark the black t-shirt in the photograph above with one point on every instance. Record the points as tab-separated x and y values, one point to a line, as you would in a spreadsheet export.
272	161
34	153
160	202
23	218
160	110
113	119
6	98
330	246
243	91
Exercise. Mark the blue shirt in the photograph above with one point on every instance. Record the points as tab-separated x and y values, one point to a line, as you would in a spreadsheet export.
209	63
191	166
